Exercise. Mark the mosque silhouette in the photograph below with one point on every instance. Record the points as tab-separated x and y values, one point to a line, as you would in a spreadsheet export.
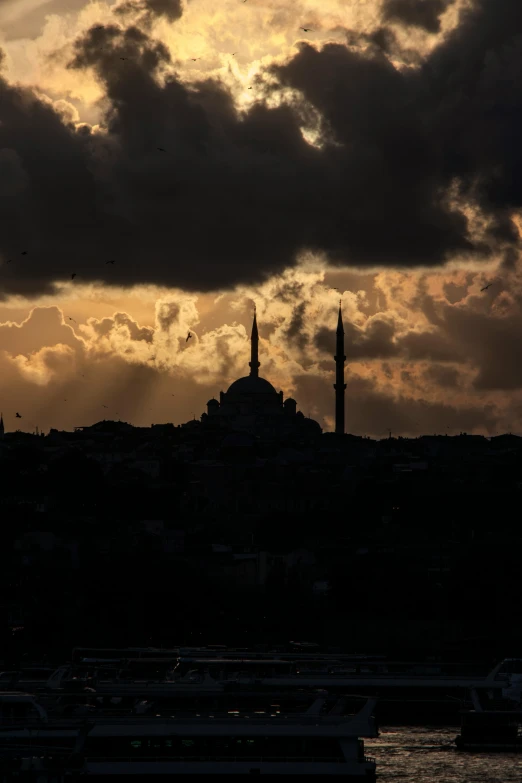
251	404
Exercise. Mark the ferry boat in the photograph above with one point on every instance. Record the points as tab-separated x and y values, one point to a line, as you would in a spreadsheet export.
407	692
308	743
495	722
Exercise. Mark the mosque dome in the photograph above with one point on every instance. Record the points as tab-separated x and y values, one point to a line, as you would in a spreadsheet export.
250	385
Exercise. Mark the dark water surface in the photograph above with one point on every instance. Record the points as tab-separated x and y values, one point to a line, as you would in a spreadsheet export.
424	755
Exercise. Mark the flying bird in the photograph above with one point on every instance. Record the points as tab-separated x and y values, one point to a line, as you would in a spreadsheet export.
73	275
306	29
161	149
188	337
105	406
486	287
110	262
18	416
71	319
123	58
234	54
195	58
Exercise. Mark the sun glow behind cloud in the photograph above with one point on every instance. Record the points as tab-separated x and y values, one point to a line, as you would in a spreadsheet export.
259	31
413	359
411	366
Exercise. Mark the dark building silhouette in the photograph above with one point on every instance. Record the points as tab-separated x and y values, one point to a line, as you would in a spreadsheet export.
252	404
339	384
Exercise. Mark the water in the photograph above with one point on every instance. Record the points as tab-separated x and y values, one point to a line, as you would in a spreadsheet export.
428	755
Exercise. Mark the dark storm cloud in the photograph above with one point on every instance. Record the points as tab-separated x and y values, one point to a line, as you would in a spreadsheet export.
149	10
491	344
380	203
211	210
473	82
417	13
235	197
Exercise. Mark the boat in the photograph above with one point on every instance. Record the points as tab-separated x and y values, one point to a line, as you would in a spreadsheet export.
495	721
407	692
309	743
490	730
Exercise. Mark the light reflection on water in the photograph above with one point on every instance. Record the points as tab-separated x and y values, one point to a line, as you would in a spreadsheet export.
428	755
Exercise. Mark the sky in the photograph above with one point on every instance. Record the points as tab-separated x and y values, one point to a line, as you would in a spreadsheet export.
221	155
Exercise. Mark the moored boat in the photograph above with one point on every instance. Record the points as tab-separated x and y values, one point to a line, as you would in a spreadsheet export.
300	744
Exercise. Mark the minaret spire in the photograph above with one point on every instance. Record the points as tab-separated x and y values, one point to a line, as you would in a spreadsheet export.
254	349
339	384
1	425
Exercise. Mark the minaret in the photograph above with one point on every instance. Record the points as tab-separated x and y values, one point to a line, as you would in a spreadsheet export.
339	384
254	349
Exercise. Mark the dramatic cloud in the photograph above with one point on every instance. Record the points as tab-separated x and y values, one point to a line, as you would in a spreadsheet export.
418	13
211	149
404	372
146	11
406	167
